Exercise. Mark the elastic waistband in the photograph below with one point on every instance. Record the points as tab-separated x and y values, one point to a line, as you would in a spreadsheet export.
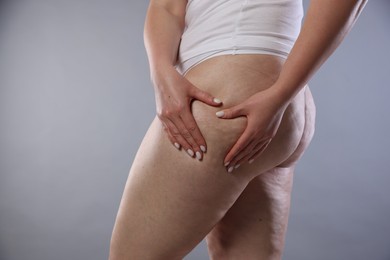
184	66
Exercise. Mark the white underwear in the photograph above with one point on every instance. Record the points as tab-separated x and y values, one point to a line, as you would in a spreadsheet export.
219	27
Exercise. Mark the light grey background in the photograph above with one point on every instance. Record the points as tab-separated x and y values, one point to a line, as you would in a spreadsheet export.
76	100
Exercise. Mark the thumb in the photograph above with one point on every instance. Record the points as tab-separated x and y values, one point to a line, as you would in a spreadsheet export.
232	112
205	97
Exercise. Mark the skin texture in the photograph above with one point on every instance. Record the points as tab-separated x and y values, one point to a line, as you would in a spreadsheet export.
171	200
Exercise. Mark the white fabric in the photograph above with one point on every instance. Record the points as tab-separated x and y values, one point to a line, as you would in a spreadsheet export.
216	27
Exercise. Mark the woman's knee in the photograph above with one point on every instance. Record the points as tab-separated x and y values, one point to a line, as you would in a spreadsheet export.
255	226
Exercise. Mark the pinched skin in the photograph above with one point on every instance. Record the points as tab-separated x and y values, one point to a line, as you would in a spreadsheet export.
172	201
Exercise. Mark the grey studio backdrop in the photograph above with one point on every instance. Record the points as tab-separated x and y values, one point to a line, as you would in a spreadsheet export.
76	100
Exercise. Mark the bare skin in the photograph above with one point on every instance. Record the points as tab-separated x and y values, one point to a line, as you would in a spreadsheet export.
171	200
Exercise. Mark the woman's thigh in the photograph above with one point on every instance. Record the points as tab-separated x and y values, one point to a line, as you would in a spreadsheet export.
172	201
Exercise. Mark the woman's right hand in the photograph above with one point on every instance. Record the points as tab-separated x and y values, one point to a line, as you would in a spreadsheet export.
174	94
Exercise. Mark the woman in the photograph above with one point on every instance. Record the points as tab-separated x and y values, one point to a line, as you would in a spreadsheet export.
234	115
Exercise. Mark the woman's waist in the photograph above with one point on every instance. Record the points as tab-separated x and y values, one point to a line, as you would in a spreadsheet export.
190	55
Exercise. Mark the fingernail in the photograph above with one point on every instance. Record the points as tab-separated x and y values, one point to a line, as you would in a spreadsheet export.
220	114
177	145
198	155
230	169
235	167
251	160
217	100
190	152
226	164
203	148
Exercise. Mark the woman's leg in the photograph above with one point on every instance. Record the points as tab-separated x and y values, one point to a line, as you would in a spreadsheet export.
172	201
255	226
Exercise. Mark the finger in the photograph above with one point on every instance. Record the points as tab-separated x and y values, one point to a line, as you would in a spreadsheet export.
240	144
244	153
194	130
250	153
258	151
174	131
205	97
170	137
232	112
194	149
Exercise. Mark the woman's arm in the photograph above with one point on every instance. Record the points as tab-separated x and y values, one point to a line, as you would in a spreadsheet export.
326	24
164	26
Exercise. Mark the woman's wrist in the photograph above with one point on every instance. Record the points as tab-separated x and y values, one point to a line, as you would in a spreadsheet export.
281	94
160	73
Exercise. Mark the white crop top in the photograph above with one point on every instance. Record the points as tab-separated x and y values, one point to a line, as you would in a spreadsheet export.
216	27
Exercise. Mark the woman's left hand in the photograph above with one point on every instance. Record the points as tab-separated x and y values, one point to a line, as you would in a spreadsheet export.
264	111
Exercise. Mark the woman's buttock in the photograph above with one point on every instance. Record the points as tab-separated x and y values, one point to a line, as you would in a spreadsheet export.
233	79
